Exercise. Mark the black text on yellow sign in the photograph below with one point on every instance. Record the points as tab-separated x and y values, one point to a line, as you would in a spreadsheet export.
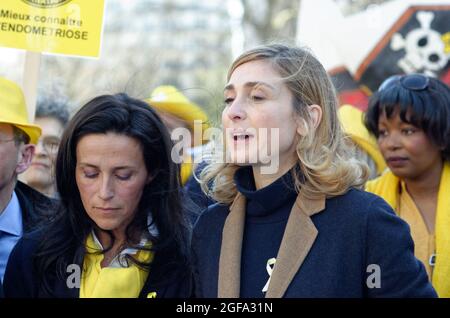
71	27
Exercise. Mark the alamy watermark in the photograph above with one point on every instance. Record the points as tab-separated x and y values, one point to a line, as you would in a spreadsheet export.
374	278
74	276
238	146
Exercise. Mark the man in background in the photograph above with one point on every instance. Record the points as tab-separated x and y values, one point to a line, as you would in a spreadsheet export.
22	209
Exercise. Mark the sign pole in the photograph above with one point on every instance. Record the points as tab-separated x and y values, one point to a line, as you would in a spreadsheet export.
30	81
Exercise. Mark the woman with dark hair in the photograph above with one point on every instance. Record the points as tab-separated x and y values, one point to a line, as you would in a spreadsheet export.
121	230
410	117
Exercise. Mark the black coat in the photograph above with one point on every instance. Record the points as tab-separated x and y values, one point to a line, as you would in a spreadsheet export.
37	209
21	280
194	191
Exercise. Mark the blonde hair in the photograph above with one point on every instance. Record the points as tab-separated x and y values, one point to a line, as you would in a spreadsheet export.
327	165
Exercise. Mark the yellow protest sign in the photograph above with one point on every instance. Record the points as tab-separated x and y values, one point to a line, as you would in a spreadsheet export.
69	27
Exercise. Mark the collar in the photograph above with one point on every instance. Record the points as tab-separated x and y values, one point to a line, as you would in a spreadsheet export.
119	261
93	245
267	200
11	218
298	238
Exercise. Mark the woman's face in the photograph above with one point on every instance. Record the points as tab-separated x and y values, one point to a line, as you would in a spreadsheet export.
408	151
40	173
110	175
259	118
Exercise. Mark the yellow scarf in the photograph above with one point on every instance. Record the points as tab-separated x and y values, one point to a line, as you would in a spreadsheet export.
386	187
186	170
111	282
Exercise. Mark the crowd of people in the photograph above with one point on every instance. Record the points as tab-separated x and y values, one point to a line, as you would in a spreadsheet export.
358	205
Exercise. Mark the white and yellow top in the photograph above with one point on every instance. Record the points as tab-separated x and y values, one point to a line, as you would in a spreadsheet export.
119	279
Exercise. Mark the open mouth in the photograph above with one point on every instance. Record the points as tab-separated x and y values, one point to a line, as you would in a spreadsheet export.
241	137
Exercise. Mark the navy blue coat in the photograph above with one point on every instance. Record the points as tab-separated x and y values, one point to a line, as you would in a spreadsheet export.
330	248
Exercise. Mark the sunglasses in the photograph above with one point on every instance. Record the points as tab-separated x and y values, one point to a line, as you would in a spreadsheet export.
413	82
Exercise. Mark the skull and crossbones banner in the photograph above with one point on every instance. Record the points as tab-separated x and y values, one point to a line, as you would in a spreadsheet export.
418	43
362	49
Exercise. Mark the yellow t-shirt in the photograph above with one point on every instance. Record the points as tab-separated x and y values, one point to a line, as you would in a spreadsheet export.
114	281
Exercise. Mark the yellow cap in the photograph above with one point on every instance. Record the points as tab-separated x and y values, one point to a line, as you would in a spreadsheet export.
13	109
169	100
352	121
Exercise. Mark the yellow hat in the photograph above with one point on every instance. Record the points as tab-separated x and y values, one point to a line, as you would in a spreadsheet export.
169	100
352	121
13	109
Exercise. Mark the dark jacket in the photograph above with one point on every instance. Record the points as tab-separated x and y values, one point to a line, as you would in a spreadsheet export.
21	280
195	193
332	247
37	209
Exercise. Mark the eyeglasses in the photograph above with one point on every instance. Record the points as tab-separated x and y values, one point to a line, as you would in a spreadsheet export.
413	82
50	144
4	141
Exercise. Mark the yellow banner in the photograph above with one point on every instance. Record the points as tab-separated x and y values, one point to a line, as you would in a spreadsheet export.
69	27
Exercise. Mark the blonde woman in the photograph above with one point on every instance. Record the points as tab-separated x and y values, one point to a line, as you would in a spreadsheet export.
303	229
